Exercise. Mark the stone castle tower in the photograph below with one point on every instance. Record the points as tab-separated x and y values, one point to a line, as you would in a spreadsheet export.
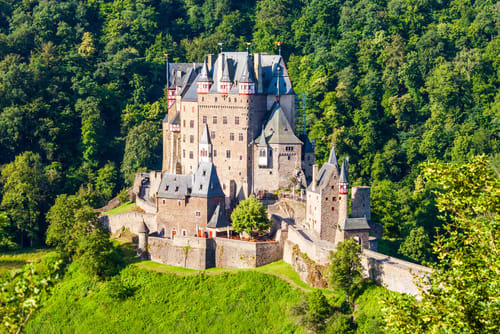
327	204
247	107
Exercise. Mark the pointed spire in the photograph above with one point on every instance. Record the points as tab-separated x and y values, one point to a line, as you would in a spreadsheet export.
205	138
344	172
204	75
246	74
333	157
225	70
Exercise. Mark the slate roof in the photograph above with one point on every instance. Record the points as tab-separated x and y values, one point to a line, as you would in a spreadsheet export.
204	74
344	172
218	219
246	72
327	171
355	224
206	182
176	119
278	130
176	186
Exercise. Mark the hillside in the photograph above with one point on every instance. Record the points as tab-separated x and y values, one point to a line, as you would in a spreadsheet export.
163	299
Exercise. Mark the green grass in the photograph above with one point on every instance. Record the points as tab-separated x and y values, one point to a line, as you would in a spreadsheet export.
242	302
280	269
17	259
126	207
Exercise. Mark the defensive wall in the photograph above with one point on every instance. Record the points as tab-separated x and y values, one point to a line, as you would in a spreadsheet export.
201	253
129	220
393	273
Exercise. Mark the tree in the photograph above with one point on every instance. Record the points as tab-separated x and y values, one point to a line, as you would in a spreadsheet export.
461	294
142	150
77	233
416	245
345	267
250	215
25	190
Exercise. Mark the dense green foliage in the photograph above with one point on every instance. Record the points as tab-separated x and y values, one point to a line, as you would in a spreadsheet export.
345	267
462	293
23	291
249	216
392	82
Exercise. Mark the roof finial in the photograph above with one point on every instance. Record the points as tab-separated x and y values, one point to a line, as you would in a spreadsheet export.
248	46
220	44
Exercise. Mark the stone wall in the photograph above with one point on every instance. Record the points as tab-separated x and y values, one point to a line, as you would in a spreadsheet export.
395	274
188	252
243	254
129	220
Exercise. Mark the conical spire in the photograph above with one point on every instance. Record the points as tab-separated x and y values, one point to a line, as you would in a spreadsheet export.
204	75
205	138
333	157
225	70
344	172
246	74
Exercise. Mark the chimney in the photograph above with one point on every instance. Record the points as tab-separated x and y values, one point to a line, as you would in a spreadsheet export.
315	177
210	61
258	71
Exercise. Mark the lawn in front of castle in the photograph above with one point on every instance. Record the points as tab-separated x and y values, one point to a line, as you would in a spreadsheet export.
150	297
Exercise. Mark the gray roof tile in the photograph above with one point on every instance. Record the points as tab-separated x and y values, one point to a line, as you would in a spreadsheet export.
353	224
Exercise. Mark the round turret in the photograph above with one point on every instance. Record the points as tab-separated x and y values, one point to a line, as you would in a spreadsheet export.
142	245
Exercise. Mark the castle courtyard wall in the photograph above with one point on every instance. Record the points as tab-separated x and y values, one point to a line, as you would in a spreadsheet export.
188	252
129	220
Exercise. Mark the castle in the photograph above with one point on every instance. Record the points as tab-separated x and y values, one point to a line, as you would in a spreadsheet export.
229	134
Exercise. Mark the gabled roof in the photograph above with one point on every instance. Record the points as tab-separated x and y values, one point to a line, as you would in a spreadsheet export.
344	172
327	171
353	224
206	182
271	75
278	130
176	186
205	138
218	219
261	141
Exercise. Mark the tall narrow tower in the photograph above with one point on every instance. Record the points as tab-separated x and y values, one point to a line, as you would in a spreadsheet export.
343	191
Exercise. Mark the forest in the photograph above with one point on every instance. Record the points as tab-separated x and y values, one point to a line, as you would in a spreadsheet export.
393	83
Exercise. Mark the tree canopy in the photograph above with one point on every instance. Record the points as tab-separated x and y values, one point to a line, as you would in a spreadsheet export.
250	215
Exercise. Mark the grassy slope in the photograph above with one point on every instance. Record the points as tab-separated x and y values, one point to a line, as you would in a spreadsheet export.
247	301
17	259
126	207
172	299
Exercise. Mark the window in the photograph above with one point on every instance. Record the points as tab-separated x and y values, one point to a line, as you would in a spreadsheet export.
184	123
289	148
215	153
241	157
191	139
240	136
333	209
262	153
204	119
334	198
184	233
190	154
228	154
191	124
236	120
214	119
224	119
183	138
215	99
192	109
212	134
326	199
163	201
231	136
198	214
